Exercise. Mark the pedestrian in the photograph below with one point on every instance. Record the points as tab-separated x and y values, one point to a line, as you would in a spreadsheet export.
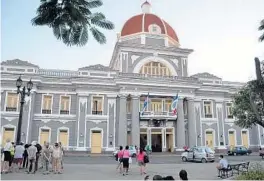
140	159
39	147
25	156
32	154
183	175
18	157
168	178
62	154
119	157
56	156
46	158
12	153
157	177
7	155
125	160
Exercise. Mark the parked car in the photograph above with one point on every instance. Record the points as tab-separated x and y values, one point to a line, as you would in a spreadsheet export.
261	152
132	151
201	153
239	150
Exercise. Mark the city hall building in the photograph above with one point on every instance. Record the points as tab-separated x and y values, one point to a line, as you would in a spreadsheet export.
98	108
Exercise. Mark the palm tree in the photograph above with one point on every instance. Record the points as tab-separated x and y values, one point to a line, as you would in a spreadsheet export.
72	20
261	28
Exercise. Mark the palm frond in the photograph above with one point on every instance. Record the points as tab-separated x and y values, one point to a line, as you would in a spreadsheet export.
261	38
79	36
93	3
261	27
99	20
98	36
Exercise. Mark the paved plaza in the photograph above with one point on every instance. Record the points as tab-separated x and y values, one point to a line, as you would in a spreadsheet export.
92	170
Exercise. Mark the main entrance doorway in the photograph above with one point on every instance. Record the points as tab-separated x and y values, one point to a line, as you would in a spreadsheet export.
156	140
169	140
96	141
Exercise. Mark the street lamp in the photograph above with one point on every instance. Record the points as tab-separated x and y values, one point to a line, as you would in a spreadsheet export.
23	92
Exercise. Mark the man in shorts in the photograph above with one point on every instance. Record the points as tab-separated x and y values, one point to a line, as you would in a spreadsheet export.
18	157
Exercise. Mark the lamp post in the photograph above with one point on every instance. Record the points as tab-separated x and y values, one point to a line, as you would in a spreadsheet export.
23	92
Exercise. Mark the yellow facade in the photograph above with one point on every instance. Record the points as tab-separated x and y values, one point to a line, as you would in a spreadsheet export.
210	139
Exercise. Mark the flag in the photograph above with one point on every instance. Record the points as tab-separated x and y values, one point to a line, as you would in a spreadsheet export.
174	104
145	105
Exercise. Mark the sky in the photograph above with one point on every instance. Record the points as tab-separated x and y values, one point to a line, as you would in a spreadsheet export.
222	33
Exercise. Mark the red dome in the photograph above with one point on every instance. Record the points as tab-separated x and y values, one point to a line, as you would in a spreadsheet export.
140	23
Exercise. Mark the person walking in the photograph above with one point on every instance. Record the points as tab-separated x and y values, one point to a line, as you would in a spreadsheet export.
39	148
119	157
141	163
46	158
32	154
125	160
56	158
7	155
18	157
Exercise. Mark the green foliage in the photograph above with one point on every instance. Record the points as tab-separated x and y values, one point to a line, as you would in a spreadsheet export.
248	107
256	172
261	28
71	20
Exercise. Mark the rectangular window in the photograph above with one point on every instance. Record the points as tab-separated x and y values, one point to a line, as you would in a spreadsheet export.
97	106
12	102
208	109
229	112
46	104
167	106
156	105
65	105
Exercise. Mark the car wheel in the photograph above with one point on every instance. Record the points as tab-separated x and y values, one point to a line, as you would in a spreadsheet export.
203	160
184	159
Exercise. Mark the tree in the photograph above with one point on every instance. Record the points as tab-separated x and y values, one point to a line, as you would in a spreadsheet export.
249	101
261	28
72	20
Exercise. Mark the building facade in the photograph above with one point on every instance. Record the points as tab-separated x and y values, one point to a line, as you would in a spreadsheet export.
97	108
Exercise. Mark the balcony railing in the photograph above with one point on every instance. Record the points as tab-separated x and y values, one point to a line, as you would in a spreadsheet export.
11	109
97	112
46	111
157	114
230	116
208	116
64	112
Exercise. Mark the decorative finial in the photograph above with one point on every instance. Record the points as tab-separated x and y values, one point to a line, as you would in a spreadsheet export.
146	7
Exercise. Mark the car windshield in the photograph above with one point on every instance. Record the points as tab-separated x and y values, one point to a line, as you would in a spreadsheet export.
208	150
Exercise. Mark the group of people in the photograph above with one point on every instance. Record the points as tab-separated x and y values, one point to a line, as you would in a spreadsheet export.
124	158
18	156
182	174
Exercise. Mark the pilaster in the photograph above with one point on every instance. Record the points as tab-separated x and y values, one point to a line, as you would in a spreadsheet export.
135	121
180	125
192	134
82	111
122	126
111	123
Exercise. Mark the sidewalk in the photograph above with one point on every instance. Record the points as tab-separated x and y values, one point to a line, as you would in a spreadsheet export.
162	154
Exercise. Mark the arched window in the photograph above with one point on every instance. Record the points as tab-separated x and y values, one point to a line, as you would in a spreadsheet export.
155	68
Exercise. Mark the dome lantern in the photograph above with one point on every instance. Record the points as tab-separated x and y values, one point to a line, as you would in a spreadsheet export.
146	7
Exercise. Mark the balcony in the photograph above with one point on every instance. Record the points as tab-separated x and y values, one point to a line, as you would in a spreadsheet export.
97	112
208	116
11	109
158	115
46	111
64	112
230	116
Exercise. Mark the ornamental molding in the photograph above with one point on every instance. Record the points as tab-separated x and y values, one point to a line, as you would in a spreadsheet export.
209	124
96	121
89	117
143	124
60	120
54	116
10	118
111	102
82	100
134	57
230	124
176	61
